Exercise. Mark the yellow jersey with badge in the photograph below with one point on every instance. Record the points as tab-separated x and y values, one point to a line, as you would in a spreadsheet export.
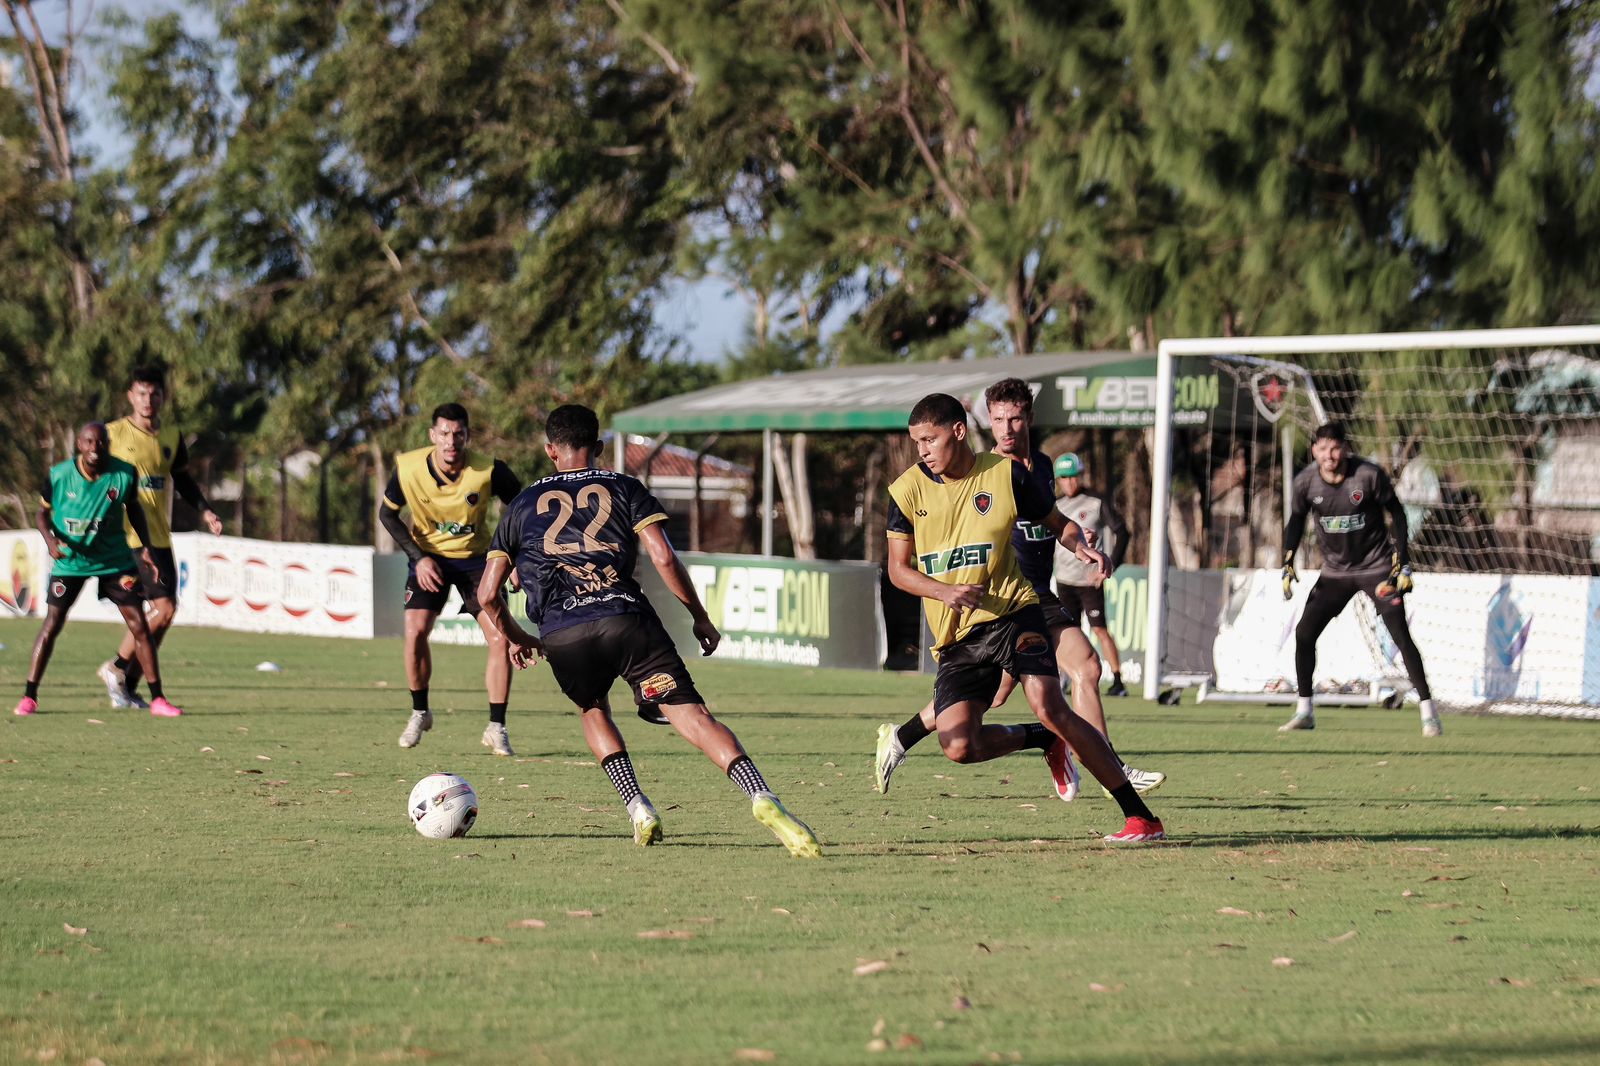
152	455
449	520
961	532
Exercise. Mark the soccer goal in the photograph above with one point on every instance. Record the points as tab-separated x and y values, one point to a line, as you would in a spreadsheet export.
1492	439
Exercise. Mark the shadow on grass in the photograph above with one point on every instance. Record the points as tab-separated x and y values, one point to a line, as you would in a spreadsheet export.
1460	1049
1290	836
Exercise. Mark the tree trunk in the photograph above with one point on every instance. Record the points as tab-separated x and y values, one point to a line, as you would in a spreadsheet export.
794	487
323	536
244	493
283	499
696	518
872	510
380	481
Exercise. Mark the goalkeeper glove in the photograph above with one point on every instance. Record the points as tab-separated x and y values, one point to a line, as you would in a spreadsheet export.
1399	581
1289	578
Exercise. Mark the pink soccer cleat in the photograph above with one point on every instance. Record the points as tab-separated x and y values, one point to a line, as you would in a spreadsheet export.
1138	831
25	706
164	708
1062	772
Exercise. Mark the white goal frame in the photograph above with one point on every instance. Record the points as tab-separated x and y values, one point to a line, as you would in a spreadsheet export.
1161	458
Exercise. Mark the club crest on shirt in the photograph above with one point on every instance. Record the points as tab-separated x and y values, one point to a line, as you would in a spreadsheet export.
982	501
472	499
111	494
1355	495
655	686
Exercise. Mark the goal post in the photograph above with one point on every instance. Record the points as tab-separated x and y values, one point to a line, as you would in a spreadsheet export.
1492	438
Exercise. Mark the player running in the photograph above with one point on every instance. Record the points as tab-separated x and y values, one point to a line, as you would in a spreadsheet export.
950	522
1082	592
81	515
1349	498
1010	406
575	537
156	450
446	488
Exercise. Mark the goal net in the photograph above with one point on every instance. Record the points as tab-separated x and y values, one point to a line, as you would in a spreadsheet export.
1492	439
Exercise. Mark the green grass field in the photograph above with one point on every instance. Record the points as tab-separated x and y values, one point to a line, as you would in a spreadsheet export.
252	892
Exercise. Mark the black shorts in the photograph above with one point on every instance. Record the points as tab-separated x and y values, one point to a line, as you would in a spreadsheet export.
969	669
461	574
1055	615
587	658
1080	600
1334	590
121	589
159	582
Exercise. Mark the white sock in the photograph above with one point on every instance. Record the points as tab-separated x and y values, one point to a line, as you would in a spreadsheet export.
1302	707
1427	710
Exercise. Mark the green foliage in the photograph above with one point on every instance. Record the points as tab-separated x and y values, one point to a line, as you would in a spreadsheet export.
333	215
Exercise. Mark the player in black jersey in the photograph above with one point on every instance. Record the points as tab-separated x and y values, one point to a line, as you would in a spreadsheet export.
574	538
1010	406
1349	498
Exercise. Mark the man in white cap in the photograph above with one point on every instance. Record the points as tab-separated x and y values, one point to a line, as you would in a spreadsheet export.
1081	594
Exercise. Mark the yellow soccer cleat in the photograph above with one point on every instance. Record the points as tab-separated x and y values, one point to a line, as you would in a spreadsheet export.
795	834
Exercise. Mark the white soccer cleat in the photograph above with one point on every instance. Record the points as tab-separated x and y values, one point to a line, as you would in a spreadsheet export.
1143	780
890	755
116	683
1299	721
1431	727
420	723
496	739
646	822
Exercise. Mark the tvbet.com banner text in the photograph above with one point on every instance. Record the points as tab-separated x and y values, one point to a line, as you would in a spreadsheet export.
783	611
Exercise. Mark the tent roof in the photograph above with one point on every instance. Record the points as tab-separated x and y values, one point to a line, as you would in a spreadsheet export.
876	396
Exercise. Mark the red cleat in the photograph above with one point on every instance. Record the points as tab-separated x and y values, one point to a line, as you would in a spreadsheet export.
1138	831
1062	772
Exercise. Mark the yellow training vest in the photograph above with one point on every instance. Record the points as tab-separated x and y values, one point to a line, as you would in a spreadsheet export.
450	519
962	536
151	454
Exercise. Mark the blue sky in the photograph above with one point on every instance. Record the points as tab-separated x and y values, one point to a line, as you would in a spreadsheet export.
710	318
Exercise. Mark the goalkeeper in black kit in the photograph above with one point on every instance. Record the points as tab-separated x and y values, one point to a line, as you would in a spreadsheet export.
1349	498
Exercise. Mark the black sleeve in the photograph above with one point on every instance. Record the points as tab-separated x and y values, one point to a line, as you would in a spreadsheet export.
390	517
898	522
1292	532
1119	530
642	505
508	534
393	494
184	482
1033	502
1384	490
503	483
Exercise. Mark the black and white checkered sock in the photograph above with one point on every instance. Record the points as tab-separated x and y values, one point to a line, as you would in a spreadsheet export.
746	776
620	769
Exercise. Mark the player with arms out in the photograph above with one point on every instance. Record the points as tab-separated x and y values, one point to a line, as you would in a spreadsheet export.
81	514
156	450
1010	406
446	488
1082	592
950	522
1349	498
575	538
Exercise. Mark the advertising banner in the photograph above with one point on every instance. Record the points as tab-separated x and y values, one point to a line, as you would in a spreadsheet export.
234	583
1124	396
1485	639
784	611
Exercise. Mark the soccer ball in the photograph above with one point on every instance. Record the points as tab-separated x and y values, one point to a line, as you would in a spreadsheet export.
443	806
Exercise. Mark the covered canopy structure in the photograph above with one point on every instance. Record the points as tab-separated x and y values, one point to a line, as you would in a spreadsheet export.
1088	389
